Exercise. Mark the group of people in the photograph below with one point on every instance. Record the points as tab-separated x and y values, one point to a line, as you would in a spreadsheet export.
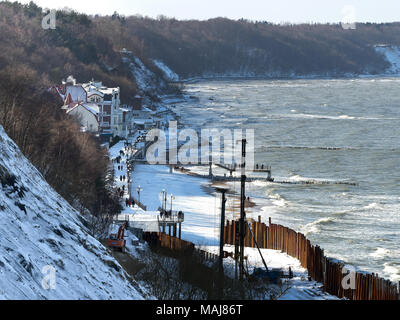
121	191
129	202
168	213
117	160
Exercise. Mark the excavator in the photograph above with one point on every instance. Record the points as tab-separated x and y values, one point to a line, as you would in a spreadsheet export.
117	241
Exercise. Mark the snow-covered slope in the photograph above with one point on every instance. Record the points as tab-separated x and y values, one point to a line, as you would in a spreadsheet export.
39	228
392	55
168	73
149	81
144	77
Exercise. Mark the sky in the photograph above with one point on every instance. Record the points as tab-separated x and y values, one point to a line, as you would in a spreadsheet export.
276	11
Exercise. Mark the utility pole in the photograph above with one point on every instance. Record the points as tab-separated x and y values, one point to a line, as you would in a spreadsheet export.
221	242
163	200
222	227
210	158
139	189
242	229
172	198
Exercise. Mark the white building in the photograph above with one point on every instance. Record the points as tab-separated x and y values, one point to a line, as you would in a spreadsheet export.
88	116
92	99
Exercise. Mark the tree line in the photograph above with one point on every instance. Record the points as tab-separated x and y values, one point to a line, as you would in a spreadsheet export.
33	59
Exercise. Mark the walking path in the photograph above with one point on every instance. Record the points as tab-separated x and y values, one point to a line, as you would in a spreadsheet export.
201	226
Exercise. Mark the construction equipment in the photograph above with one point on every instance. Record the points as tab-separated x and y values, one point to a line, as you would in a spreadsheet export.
270	276
117	241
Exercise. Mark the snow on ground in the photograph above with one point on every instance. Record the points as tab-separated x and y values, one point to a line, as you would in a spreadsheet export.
168	73
392	55
121	173
201	226
200	204
39	228
300	288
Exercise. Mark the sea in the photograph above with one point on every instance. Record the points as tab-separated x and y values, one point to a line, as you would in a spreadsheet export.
337	140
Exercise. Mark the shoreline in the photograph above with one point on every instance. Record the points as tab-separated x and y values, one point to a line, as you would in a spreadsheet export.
198	79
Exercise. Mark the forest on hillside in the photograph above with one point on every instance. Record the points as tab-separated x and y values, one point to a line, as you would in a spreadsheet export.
33	59
221	46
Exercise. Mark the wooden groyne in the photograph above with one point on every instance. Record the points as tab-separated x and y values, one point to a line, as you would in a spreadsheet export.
320	268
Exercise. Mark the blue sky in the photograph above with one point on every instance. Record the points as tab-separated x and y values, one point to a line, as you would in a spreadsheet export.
277	11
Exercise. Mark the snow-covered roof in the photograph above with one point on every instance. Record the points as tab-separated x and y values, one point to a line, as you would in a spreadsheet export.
95	92
92	107
105	90
142	121
77	92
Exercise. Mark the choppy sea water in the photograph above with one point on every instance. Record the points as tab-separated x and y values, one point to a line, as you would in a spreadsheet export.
320	130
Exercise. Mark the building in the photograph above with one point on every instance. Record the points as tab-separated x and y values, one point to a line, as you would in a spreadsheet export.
92	100
99	110
108	100
88	116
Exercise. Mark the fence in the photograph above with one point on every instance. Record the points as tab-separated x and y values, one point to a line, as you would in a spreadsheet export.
207	256
163	240
320	268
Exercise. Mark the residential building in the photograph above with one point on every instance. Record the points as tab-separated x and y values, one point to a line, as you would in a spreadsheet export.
93	100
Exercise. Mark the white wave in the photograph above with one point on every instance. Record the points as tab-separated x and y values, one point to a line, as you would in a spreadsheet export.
392	271
314	227
346	117
380	253
317	116
373	205
326	117
265	148
277	199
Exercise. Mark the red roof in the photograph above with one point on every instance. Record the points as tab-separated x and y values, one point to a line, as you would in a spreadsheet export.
68	100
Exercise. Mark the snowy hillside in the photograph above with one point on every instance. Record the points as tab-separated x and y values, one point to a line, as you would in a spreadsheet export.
392	55
38	229
168	73
146	80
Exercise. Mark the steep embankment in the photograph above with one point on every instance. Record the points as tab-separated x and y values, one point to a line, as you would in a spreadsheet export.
223	47
38	229
392	56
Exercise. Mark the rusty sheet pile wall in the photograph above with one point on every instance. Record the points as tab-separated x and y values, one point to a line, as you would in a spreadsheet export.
163	240
320	268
